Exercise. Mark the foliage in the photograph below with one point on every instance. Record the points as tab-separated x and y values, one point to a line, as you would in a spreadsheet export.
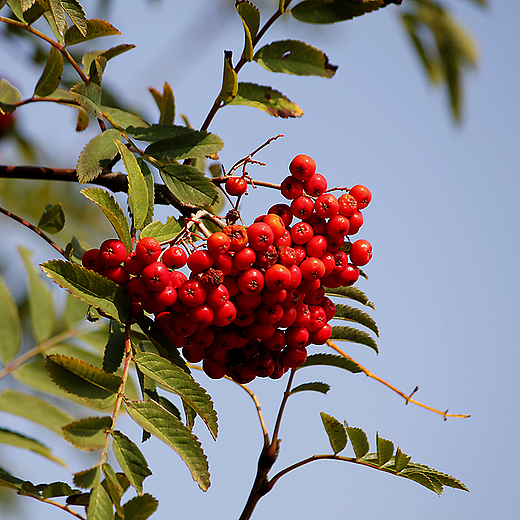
84	355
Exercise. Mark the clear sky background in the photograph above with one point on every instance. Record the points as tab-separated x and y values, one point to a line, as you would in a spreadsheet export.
444	224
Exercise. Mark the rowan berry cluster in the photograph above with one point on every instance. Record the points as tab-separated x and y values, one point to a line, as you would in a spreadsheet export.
254	297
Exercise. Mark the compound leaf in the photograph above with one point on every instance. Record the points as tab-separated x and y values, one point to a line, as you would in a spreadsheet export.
336	432
174	379
90	287
295	57
113	212
131	460
97	154
267	99
159	422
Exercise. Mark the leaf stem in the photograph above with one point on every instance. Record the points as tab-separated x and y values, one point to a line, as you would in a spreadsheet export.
35	229
392	387
57	504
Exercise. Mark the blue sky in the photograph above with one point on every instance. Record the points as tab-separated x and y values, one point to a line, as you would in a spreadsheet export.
444	276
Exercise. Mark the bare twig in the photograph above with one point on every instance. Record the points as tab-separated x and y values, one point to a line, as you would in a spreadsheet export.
408	397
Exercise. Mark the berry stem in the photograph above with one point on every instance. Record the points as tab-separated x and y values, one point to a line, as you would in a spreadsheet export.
35	229
408	398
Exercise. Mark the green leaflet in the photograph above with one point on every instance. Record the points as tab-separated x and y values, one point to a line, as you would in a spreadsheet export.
355	336
89	97
113	212
336	432
76	14
295	57
350	292
385	450
58	489
21	441
91	384
331	11
315	386
89	57
88	478
250	16
141	507
58	16
358	439
189	184
184	143
115	348
229	80
9	95
89	433
346	312
401	460
121	119
51	76
138	199
113	487
159	422
34	409
90	287
100	505
267	99
331	360
174	379
162	232
53	219
41	305
95	29
97	154
10	325
131	460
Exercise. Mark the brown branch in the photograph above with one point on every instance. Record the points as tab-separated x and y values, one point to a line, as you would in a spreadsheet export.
407	397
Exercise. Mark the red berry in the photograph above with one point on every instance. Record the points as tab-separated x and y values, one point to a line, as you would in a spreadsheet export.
236	186
136	289
326	205
237	235
165	297
347	205
244	259
360	252
155	276
200	261
112	252
321	336
214	369
283	211
217	296
174	257
291	187
148	250
302	207
316	185
225	314
91	260
356	221
348	276
262	365
293	357
312	268
251	281
302	167
362	195
116	273
133	265
202	315
218	243
260	236
277	277
302	233
276	223
192	293
338	225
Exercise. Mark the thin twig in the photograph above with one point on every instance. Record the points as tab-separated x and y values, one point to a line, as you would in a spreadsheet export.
35	229
407	397
57	504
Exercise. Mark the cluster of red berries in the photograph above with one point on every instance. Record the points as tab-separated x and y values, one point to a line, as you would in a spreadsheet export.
254	298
